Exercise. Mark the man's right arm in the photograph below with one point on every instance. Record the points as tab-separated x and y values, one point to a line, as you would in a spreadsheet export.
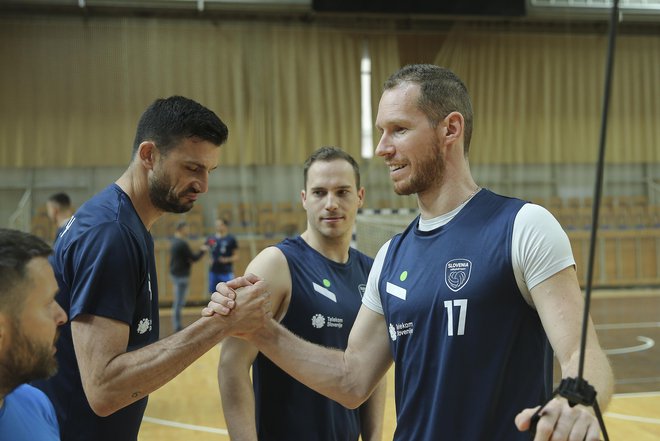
113	378
348	377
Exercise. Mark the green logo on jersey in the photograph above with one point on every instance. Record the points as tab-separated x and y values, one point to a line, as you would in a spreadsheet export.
326	283
403	276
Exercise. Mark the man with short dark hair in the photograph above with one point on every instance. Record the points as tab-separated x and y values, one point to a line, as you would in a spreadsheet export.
109	353
29	318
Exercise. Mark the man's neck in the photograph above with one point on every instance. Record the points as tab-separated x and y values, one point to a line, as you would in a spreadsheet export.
136	187
333	248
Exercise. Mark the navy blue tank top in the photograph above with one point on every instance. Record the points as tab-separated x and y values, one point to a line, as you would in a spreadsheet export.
470	353
325	299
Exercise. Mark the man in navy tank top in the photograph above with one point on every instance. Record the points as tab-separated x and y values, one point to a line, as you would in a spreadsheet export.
316	281
468	301
109	355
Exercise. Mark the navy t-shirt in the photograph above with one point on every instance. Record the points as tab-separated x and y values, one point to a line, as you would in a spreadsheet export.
104	265
221	247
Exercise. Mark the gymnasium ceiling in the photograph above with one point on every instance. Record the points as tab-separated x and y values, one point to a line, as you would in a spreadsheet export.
544	10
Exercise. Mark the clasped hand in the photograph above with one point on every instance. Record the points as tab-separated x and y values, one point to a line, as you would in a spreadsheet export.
245	301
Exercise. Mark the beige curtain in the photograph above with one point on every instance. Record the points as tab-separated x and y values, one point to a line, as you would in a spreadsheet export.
312	90
538	96
73	89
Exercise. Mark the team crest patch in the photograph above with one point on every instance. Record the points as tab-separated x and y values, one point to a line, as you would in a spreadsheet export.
457	273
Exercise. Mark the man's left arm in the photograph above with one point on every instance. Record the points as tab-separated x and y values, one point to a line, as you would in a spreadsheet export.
560	306
372	413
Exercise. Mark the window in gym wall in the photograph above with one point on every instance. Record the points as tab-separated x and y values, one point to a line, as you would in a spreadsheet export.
367	122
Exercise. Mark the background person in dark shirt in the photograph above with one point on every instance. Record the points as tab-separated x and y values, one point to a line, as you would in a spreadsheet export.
181	259
223	250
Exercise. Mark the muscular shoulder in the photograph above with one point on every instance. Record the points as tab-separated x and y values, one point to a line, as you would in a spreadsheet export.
269	260
271	265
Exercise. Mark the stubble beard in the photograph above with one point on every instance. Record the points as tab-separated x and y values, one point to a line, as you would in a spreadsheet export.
430	172
29	361
162	195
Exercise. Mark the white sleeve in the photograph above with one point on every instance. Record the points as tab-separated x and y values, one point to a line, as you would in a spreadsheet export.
539	248
371	297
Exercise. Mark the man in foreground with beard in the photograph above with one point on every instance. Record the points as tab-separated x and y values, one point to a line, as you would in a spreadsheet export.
109	354
29	318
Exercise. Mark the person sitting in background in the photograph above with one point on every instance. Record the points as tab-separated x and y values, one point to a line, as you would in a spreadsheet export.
181	259
29	318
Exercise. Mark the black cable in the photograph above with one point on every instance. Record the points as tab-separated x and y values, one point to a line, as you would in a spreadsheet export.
599	178
577	390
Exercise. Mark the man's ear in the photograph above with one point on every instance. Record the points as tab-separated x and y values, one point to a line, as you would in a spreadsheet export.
454	126
303	198
360	195
147	154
